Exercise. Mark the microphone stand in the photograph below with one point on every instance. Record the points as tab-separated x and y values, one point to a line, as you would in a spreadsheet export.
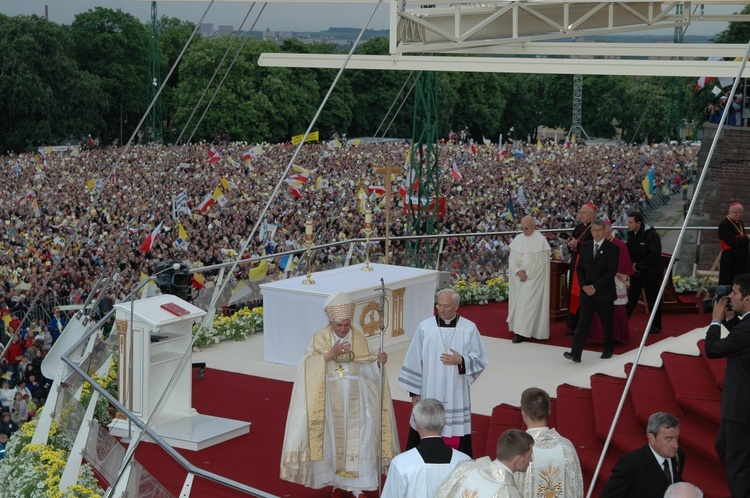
381	311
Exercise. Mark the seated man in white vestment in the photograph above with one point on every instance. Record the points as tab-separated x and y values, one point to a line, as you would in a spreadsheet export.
333	425
418	472
528	284
446	355
555	470
487	478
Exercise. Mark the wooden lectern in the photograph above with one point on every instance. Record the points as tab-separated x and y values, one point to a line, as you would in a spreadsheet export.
558	291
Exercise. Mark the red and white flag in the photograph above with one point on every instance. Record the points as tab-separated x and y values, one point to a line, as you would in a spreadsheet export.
206	203
213	156
295	192
147	244
455	173
473	148
376	190
412	180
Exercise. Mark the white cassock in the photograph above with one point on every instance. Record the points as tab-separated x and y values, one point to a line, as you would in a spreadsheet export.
410	477
555	468
528	302
483	478
425	375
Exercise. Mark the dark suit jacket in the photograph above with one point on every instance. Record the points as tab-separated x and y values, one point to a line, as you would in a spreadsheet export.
638	475
735	399
598	271
434	450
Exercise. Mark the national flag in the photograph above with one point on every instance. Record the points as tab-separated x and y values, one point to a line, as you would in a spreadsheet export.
149	289
376	190
362	200
112	177
486	141
705	80
198	281
519	154
228	184
179	204
206	203
503	152
511	211
473	148
321	183
294	190
538	143
402	191
35	207
219	197
412	180
241	291
455	173
90	184
259	272
300	169
521	195
25	198
292	182
148	243
648	183
213	156
300	177
182	238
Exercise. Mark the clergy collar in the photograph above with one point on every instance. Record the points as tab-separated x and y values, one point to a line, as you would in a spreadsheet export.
443	323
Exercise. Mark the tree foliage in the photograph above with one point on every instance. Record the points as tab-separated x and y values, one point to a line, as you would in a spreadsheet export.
62	82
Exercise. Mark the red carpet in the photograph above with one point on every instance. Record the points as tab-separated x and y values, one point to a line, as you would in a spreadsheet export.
491	321
582	415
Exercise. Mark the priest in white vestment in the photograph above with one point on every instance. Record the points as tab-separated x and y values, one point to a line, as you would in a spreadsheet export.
446	355
333	425
528	284
487	478
418	472
555	470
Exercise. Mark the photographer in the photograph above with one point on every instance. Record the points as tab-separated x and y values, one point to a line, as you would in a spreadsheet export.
733	440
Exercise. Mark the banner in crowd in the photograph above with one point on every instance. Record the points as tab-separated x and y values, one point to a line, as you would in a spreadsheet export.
312	137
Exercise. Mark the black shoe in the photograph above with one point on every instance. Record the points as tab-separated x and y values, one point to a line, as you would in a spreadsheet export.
517	339
606	355
654	330
571	356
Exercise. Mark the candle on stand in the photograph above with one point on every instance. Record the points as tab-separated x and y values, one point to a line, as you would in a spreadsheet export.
308	229
368	218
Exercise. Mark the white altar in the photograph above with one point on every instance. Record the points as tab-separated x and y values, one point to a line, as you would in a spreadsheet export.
293	311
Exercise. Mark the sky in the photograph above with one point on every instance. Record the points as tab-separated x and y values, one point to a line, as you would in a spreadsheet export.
303	16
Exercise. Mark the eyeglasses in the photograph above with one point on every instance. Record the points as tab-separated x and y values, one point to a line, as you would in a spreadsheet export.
443	306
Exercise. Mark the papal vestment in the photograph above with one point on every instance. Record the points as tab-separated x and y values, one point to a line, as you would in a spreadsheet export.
528	302
483	478
333	425
555	470
425	375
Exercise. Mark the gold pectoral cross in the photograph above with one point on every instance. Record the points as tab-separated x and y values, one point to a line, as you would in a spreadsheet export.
341	371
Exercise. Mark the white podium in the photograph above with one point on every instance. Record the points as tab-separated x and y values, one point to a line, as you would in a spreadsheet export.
150	350
293	311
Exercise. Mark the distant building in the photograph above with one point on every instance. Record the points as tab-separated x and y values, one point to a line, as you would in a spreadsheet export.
207	29
226	30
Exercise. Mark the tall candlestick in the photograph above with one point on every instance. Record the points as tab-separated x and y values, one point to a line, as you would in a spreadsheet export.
309	227
368	216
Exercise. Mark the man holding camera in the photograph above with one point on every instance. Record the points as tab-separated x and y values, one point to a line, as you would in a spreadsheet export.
733	440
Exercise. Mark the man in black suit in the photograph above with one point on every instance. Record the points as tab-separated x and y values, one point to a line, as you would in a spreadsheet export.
420	471
648	471
733	440
597	266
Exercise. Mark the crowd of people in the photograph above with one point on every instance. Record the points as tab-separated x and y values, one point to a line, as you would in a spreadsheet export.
72	216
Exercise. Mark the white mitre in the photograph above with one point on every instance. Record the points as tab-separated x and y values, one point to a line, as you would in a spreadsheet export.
339	307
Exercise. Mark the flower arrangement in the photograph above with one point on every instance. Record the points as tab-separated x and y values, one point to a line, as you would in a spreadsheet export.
686	284
236	327
102	412
34	470
494	289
